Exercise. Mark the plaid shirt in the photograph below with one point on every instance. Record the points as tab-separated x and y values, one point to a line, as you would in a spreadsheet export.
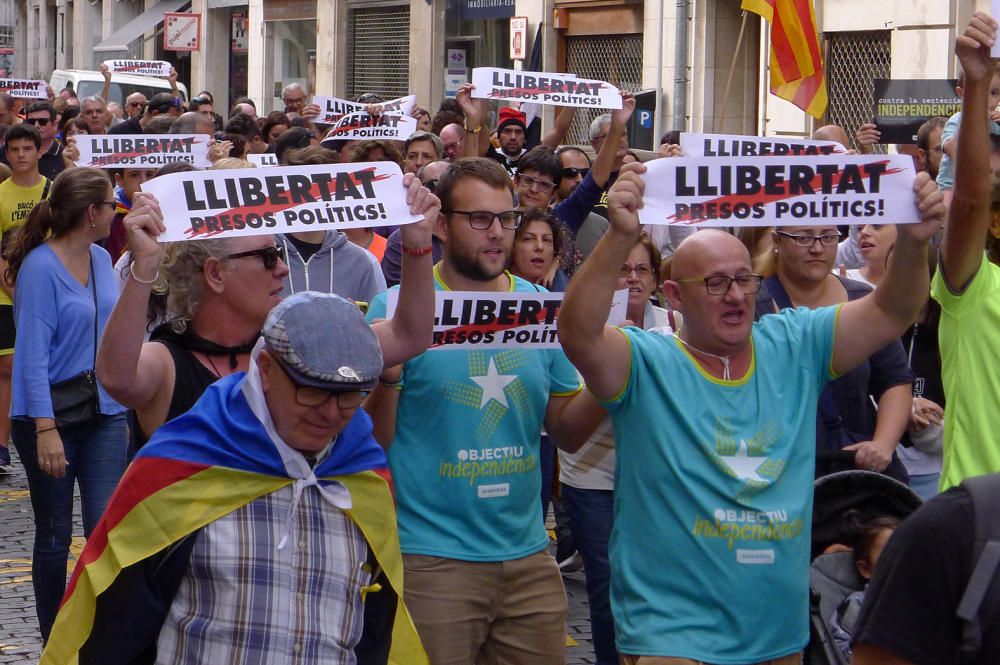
244	600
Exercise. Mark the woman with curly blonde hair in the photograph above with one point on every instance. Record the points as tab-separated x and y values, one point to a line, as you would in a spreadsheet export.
218	294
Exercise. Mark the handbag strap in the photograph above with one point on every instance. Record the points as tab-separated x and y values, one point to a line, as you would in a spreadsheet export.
93	290
45	190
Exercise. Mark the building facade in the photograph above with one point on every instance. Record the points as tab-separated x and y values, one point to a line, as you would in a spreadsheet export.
701	64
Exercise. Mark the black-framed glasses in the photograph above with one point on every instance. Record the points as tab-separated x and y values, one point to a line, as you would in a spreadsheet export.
431	184
808	240
572	172
531	183
110	204
41	122
719	285
480	220
315	397
640	270
268	255
136	104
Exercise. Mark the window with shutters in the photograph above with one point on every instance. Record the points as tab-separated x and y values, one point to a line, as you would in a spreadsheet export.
853	61
379	51
616	59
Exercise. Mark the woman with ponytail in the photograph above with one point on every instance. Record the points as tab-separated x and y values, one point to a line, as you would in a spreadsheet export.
64	291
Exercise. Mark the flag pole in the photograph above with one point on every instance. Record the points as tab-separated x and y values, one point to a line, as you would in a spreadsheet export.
732	68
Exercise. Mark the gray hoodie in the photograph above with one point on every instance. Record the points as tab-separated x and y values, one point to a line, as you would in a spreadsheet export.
339	267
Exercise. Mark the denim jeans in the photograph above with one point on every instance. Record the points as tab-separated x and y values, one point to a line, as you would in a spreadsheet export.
591	516
95	459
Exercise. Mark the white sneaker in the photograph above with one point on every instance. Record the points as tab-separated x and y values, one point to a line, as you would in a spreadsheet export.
571	564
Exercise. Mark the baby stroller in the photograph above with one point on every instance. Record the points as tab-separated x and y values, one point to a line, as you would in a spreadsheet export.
833	577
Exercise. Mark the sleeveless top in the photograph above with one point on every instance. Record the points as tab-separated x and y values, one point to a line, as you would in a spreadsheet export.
191	378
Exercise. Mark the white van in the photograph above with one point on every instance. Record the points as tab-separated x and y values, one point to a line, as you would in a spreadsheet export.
88	82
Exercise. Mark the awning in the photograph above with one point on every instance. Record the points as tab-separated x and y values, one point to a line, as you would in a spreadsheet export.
140	25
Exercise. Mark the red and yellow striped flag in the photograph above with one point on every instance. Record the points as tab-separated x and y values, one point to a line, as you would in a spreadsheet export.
796	64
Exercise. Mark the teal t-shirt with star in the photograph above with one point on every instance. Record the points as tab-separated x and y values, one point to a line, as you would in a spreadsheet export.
465	456
713	495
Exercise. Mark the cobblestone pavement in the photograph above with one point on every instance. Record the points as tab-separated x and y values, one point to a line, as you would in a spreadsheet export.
19	642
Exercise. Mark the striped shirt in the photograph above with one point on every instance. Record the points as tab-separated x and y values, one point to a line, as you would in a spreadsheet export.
244	600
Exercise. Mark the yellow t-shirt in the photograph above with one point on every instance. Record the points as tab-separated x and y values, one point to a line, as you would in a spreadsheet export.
16	203
969	339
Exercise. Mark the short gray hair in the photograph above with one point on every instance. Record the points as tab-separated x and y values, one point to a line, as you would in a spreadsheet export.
292	86
598	124
424	136
94	98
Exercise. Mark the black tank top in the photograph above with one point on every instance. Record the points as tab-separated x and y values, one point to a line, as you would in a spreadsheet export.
191	378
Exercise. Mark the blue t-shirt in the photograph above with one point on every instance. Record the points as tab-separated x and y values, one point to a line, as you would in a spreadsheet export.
946	171
465	457
713	495
54	315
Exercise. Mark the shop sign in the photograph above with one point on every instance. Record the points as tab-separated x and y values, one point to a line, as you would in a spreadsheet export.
289	10
181	32
482	9
518	37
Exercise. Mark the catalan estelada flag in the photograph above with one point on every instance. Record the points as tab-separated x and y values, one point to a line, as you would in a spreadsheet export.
196	469
796	63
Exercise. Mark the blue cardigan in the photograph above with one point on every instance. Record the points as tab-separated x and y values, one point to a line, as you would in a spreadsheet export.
54	316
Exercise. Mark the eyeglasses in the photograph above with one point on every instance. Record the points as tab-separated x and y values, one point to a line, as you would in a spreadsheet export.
268	255
294	100
41	122
807	240
480	220
315	397
640	270
571	172
110	204
136	104
431	184
719	285
533	183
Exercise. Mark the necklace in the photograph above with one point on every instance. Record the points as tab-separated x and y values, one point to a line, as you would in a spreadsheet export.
723	359
215	370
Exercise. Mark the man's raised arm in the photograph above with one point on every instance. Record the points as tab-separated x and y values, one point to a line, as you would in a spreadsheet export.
600	351
408	333
969	217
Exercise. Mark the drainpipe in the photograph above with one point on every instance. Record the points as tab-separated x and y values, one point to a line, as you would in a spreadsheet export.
658	114
680	68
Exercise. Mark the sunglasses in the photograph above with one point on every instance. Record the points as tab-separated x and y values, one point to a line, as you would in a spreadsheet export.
41	122
268	255
571	172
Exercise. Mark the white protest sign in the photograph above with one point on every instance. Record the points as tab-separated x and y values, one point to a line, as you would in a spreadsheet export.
522	319
995	12
263	159
142	151
24	89
333	109
780	191
359	126
139	67
559	89
282	199
727	145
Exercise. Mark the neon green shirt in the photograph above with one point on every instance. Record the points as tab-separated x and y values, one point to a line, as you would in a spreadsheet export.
969	339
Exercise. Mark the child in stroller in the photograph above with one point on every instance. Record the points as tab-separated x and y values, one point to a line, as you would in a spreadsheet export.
866	540
842	502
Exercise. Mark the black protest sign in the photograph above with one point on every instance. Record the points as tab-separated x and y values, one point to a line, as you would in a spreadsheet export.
902	105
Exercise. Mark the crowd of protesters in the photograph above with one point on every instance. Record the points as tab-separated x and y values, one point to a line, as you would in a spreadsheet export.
249	358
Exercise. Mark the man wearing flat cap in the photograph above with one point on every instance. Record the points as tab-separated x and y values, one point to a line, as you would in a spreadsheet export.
257	527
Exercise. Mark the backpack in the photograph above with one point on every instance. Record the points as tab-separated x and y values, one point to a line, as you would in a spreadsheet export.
980	604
